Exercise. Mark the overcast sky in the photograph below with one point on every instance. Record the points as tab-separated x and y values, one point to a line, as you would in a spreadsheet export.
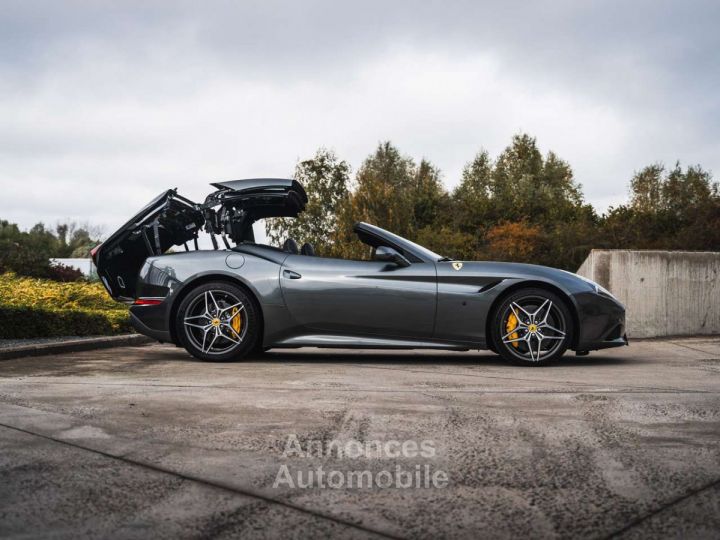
103	105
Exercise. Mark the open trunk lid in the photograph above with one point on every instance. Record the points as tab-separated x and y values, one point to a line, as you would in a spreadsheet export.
172	220
168	220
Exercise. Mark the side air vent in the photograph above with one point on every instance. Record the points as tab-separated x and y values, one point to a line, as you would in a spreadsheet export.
490	285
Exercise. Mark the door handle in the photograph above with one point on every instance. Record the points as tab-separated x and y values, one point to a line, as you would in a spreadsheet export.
291	275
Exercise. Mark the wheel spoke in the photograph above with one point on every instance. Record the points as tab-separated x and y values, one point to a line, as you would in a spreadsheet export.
514	331
239	305
515	340
200	326
539	349
205	333
203	316
211	342
215	304
529	345
538	311
515	305
546	326
228	337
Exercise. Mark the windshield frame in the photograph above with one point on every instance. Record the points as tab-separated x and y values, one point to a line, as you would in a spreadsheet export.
422	253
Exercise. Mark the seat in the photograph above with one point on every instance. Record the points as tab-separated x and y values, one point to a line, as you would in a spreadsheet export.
307	249
290	246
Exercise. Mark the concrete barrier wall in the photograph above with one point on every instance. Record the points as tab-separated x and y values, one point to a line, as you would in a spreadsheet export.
666	293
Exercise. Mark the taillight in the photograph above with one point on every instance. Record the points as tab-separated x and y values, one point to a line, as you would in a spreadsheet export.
148	301
93	252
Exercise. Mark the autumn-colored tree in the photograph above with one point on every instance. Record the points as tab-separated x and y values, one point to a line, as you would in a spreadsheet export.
513	241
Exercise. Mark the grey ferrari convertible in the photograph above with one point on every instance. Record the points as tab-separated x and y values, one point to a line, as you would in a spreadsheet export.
241	296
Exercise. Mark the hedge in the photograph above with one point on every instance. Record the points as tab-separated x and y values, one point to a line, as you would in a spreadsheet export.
29	322
31	308
43	293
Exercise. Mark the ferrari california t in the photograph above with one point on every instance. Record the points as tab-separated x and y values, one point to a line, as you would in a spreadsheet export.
242	297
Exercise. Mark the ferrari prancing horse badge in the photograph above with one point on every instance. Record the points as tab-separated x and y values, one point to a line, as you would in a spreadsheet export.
457	265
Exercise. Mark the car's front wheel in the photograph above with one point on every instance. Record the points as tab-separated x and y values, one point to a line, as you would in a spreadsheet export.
218	322
531	327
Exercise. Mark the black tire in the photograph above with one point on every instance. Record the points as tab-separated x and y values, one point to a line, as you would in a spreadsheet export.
218	322
543	329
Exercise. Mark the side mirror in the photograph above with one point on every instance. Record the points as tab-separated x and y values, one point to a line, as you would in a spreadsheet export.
388	254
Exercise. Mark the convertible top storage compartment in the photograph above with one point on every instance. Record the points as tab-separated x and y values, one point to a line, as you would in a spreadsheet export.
172	220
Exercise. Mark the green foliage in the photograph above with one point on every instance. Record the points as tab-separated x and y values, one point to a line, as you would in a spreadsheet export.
29	252
523	206
29	322
25	252
523	198
384	193
520	185
31	307
673	209
326	180
394	193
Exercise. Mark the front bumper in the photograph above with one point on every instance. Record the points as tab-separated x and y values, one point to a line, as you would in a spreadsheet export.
602	322
605	344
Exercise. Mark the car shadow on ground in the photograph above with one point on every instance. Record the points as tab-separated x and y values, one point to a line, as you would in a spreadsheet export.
485	358
396	357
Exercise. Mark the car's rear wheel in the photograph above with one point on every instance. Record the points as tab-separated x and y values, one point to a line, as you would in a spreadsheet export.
532	327
218	322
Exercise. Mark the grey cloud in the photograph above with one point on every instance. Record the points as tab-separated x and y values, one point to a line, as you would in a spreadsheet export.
149	93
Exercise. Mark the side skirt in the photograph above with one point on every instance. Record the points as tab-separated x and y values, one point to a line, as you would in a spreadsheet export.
355	342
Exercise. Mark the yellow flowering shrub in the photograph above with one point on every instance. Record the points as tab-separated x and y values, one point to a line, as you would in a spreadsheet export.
32	307
34	292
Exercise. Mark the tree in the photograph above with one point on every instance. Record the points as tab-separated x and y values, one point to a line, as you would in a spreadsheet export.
26	253
431	201
675	209
472	198
523	194
326	180
76	240
514	241
646	189
394	193
29	253
386	184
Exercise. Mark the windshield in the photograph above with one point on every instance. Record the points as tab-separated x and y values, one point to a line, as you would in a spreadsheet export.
420	250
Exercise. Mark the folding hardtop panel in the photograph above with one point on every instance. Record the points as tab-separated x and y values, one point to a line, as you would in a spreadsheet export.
172	220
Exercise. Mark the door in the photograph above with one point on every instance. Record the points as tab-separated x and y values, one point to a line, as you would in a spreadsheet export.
360	297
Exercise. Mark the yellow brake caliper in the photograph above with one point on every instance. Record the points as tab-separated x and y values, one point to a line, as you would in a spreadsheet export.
236	320
512	324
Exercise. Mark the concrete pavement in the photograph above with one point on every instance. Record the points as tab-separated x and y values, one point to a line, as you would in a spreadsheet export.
146	441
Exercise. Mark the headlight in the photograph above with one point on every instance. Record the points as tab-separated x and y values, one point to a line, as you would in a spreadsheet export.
599	289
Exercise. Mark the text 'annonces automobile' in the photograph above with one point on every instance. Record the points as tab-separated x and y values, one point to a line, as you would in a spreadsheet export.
222	304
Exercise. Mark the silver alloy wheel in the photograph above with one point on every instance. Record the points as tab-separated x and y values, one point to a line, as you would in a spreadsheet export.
208	322
540	328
